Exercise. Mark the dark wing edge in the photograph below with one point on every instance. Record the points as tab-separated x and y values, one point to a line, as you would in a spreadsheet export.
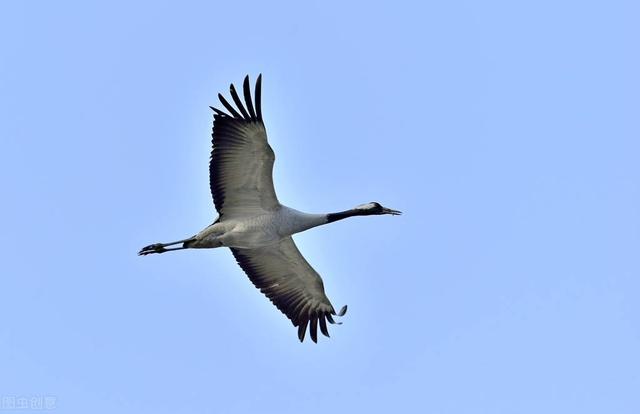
290	293
245	114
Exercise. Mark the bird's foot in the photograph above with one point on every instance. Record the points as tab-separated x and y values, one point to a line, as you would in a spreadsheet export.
152	248
164	247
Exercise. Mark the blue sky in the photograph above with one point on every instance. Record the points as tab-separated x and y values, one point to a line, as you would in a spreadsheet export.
507	132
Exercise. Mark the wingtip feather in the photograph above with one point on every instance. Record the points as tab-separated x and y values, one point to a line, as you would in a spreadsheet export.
227	105
313	329
323	326
246	88
258	95
238	102
302	329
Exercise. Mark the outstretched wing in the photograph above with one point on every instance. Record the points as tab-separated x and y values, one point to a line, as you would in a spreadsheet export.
240	171
286	278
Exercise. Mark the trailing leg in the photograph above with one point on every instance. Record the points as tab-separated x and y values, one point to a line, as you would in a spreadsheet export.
162	247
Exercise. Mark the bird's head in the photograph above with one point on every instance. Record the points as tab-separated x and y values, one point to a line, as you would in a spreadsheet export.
374	208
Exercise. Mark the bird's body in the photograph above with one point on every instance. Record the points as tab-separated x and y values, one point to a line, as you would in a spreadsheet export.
255	231
253	223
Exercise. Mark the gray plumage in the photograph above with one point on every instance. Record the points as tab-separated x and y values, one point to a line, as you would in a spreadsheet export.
253	223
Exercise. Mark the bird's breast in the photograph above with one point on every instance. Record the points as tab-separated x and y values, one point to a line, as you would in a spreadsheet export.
252	233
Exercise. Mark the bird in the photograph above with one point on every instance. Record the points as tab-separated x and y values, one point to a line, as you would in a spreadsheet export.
252	222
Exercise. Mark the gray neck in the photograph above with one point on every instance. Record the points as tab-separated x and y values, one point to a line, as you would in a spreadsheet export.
299	221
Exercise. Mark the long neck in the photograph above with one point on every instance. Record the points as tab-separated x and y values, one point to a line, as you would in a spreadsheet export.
297	221
331	217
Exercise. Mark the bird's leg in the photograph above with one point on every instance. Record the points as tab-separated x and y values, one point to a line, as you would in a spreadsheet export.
162	247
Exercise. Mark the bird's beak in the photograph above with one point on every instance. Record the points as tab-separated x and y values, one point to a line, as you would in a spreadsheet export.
391	211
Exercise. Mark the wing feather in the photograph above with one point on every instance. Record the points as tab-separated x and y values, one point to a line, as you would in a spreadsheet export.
259	97
241	167
247	96
238	102
291	284
229	107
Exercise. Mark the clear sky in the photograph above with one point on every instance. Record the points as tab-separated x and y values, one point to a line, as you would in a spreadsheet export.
507	133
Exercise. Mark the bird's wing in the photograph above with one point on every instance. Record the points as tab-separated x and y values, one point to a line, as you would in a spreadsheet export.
288	280
240	171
